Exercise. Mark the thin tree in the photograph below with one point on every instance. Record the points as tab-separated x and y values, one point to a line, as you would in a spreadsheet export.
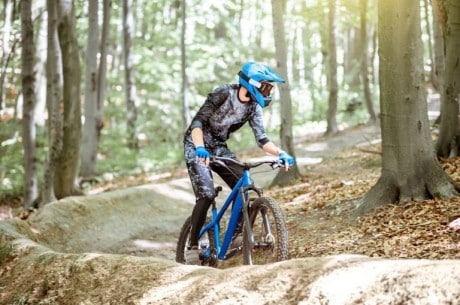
439	56
69	157
28	124
332	72
448	143
130	86
426	11
186	116
286	134
54	103
89	145
8	7
102	75
365	63
40	17
410	170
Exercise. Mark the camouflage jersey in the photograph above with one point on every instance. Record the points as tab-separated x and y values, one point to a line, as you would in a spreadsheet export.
221	114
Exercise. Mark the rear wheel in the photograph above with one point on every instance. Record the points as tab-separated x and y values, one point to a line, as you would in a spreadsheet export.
206	243
270	233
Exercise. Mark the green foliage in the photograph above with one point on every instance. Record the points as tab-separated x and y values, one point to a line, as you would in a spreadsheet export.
11	159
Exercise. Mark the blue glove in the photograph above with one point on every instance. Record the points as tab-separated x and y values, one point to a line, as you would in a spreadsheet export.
201	152
286	158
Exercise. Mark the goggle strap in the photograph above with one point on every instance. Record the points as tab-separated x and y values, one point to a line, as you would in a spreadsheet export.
249	80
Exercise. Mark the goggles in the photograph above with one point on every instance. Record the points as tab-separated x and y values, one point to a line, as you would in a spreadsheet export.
265	88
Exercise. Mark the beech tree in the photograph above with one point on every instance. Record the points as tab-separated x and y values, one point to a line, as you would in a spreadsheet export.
93	119
68	158
286	134
448	144
365	62
130	84
332	72
63	102
410	170
28	124
186	115
54	102
8	7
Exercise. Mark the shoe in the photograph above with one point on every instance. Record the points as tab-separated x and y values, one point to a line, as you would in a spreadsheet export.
192	256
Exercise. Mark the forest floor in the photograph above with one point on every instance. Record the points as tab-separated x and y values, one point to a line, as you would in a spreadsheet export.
336	172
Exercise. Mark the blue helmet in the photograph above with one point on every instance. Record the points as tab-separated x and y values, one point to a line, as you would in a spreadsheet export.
252	75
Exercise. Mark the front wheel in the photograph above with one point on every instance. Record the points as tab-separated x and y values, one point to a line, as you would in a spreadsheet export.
270	233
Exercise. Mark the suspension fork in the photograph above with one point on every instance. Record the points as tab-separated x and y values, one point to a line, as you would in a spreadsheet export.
246	216
247	221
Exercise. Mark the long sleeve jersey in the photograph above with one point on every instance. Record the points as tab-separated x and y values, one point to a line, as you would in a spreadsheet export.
222	114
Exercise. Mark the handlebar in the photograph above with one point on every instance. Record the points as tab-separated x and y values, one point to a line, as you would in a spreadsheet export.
247	165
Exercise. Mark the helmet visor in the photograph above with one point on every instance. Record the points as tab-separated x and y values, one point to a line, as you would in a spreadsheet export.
265	88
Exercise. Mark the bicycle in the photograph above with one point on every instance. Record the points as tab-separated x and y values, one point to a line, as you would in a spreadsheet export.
264	232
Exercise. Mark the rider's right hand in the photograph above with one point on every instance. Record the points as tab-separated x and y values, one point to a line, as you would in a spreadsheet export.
287	159
202	154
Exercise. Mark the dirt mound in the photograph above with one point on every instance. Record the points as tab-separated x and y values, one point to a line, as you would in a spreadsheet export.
69	253
118	247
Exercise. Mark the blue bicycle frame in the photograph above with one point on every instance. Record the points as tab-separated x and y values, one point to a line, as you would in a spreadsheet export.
238	196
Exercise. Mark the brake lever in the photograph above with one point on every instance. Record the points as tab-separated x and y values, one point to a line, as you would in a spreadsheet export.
277	164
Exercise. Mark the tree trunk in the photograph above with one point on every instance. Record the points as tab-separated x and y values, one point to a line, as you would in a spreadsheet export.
130	86
432	77
332	73
365	63
68	161
54	103
186	116
8	13
410	170
286	137
28	125
40	16
448	143
90	132
102	75
439	57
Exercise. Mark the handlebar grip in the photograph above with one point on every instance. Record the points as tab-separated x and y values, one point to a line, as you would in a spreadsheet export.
276	164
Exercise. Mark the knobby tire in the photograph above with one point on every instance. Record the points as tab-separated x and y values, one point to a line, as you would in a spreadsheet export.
268	248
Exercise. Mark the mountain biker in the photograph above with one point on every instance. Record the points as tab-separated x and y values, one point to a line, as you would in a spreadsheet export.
224	111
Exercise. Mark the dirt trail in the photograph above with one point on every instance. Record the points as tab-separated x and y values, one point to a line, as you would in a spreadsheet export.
145	220
118	248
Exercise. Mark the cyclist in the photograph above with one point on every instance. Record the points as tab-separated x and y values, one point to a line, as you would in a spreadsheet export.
225	110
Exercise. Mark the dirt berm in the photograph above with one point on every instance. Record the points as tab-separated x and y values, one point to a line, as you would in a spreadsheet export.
118	248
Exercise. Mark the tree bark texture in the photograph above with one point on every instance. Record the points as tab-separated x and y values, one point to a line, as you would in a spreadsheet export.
90	141
130	85
54	103
28	125
365	62
332	72
40	15
102	75
439	56
68	160
8	6
286	136
448	143
186	115
410	170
